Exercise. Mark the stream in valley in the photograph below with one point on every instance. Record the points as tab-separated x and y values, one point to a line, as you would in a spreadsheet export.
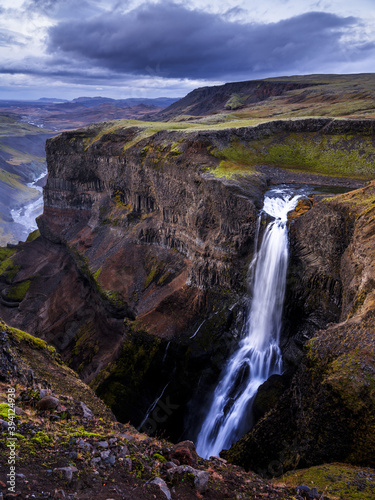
26	215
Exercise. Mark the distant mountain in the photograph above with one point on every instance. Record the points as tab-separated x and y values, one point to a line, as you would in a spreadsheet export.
161	102
59	114
51	99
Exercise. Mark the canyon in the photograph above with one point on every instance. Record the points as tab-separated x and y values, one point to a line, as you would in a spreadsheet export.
137	276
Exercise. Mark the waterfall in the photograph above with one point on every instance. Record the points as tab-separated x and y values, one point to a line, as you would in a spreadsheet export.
152	407
258	355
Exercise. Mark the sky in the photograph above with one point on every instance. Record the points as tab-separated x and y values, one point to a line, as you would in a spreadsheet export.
133	48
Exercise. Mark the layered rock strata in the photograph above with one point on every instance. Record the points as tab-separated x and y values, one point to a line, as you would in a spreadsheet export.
139	275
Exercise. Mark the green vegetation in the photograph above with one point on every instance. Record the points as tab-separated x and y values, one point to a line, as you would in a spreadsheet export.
322	95
5	261
360	201
21	158
4	411
41	439
82	433
235	101
114	298
157	271
11	126
8	269
21	192
124	379
159	457
331	155
86	346
236	161
18	291
33	235
335	481
32	341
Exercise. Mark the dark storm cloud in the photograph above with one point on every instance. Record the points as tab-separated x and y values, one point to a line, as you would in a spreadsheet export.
195	44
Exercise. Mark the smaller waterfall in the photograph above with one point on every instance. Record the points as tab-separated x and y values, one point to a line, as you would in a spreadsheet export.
152	407
258	355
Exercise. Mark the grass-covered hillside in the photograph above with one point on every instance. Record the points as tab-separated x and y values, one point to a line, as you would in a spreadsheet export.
349	96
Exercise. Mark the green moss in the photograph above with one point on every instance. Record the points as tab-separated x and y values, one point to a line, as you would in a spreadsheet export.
360	201
159	457
175	148
4	410
358	303
97	274
134	296
83	433
41	439
235	101
114	298
6	253
18	291
33	236
332	155
347	379
19	436
236	161
236	153
157	271
86	346
319	153
7	266
123	379
151	275
34	342
119	197
335	481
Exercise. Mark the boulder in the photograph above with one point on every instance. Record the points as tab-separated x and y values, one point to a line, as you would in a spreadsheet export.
48	403
185	453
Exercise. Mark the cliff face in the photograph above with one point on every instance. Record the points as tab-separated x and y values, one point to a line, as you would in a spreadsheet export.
138	238
155	193
139	275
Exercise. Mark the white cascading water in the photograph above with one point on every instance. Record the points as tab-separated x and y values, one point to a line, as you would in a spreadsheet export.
258	355
26	215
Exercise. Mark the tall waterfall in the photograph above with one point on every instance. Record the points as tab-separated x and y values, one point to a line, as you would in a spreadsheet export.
258	355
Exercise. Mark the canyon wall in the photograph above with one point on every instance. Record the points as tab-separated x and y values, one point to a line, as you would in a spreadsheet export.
139	275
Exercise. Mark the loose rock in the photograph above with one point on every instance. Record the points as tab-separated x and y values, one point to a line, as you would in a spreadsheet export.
185	453
48	403
163	486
